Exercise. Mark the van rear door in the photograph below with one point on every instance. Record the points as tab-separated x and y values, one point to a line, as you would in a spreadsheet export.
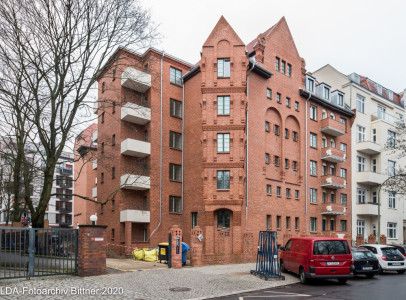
331	257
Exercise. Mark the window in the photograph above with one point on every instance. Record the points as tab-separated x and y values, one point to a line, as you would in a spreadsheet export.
102	148
324	114
278	98
114	107
313	196
310	85
313	140
269	189
266	126
287	101
343	147
332	225
360	103
276	160
374	135
113	204
391	168
286	163
176	108
323	142
175	76
343	225
223	218
223	67
313	224
286	133
175	204
103	87
102	178
391	199
102	117
296	223
194	220
175	141
392	230
223	142
324	197
374	197
175	172
296	106
113	140
268	222
323	169
283	67
267	158
361	162
223	180
326	93
313	112
294	165
289	71
332	197
278	191
146	136
344	121
278	222
269	93
361	227
276	129
145	203
112	233
313	168
294	135
381	112
277	63
360	134
343	173
223	105
340	100
287	222
287	192
391	139
113	172
361	196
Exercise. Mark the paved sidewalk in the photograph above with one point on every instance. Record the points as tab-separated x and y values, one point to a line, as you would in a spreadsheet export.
185	283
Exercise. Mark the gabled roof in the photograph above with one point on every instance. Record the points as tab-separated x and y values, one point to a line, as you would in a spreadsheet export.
222	25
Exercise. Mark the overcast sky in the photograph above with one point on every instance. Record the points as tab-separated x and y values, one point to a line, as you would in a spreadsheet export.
366	37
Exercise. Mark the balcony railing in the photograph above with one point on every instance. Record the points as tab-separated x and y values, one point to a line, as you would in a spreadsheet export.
386	117
367	209
135	216
370	178
64	171
64	209
135	148
334	209
332	127
333	155
368	147
135	182
64	223
134	113
136	80
333	182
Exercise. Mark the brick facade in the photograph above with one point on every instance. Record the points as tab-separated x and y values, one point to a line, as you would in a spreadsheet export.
92	250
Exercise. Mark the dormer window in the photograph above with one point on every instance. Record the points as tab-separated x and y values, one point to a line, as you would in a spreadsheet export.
378	89
326	93
390	94
340	100
310	85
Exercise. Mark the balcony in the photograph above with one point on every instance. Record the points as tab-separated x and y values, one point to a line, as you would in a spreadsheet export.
387	118
135	216
368	147
64	171
135	148
94	164
95	136
333	182
64	210
134	113
64	197
367	209
332	127
370	178
135	182
333	155
334	209
64	223
136	80
94	192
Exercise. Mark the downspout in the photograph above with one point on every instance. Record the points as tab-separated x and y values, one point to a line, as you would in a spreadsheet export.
246	152
306	184
183	142
160	159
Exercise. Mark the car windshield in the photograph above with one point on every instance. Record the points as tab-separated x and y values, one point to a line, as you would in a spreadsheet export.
391	251
330	247
362	254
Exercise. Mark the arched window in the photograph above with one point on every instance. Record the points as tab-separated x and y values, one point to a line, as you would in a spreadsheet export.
324	114
223	218
332	116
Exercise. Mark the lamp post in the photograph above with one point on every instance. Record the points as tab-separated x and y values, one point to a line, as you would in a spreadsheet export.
93	218
379	202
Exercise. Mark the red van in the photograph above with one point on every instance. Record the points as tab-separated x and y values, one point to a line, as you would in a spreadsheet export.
321	257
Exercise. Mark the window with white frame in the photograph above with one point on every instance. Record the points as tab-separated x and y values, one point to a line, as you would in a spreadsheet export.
313	224
360	133
392	230
374	135
343	147
374	165
361	227
287	101
324	114
343	199
269	189
267	158
332	116
175	76
391	142
391	199
361	163
361	196
332	170
323	142
223	142
381	112
310	85
223	105
313	196
296	194
340	100
326	93
343	173
374	197
313	140
332	143
313	168
313	112
223	67
294	165
277	64
391	168
360	103
323	169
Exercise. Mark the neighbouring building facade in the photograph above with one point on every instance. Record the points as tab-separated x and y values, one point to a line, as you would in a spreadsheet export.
245	140
379	111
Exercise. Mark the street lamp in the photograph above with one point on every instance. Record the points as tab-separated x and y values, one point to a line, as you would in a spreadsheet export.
379	203
93	218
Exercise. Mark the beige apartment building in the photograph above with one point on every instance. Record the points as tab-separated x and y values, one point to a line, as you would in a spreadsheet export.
379	111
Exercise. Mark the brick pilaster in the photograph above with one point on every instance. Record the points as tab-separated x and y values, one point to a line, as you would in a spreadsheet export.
92	250
196	247
176	250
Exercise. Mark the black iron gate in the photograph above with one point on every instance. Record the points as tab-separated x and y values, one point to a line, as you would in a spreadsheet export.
31	252
267	257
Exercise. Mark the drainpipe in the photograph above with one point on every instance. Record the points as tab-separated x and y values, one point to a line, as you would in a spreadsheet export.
246	152
183	142
306	185
160	159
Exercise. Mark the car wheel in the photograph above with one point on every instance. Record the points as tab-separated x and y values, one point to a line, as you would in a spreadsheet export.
282	267
342	280
302	276
401	271
370	275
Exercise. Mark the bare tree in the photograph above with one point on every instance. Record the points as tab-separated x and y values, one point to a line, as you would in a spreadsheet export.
53	51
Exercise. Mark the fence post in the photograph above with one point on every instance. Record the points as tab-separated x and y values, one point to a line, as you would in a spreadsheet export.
176	247
196	247
92	250
31	253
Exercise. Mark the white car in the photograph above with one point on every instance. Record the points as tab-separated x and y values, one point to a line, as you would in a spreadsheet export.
390	258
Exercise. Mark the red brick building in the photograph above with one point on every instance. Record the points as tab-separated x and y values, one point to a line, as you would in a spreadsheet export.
247	133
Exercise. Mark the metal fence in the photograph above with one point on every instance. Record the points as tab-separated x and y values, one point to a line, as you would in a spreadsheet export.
267	257
31	252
